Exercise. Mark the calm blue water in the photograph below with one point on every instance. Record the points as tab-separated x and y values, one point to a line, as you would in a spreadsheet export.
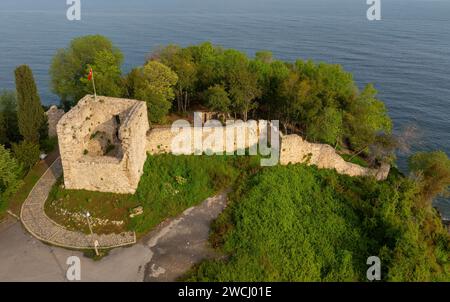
406	55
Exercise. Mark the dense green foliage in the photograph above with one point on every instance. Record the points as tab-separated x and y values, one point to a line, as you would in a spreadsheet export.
320	101
218	99
27	153
70	67
9	127
10	172
432	169
297	223
107	75
30	113
153	83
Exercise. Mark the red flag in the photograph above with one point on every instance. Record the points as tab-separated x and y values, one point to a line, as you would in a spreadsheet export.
90	75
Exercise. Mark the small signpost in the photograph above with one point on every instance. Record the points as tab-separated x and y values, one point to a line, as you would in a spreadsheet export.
96	244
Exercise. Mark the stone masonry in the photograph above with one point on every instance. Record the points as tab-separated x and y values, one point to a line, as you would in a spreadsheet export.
294	149
53	116
102	142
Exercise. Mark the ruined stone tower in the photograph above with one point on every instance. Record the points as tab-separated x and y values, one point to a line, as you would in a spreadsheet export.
102	143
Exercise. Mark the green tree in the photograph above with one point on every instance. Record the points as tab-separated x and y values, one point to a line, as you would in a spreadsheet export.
153	83
209	60
366	118
3	135
69	67
293	94
432	169
8	116
10	172
217	99
107	75
180	60
29	111
242	83
327	127
27	153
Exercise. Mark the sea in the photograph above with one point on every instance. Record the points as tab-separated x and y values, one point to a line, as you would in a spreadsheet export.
406	54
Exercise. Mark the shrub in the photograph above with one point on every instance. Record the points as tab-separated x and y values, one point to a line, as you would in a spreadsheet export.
10	182
49	144
27	153
298	223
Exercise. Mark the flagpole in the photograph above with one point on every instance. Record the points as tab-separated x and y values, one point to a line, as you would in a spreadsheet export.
93	84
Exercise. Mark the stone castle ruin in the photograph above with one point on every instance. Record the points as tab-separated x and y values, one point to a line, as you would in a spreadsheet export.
53	116
104	142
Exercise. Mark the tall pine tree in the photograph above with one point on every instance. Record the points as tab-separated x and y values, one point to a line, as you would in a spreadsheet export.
29	109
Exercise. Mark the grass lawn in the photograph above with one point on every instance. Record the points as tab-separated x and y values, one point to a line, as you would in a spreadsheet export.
170	184
15	203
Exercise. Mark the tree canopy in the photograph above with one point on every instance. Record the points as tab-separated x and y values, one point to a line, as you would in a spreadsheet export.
9	127
432	170
30	113
10	172
71	65
153	83
317	100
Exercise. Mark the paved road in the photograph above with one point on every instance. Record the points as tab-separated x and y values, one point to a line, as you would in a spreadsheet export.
163	255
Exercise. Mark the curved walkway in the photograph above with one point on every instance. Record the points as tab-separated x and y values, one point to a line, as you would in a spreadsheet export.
43	228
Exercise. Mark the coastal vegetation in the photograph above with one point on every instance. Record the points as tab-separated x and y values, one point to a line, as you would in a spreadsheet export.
298	223
70	66
319	101
284	223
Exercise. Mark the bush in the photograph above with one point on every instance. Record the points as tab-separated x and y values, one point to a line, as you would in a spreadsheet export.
49	144
298	223
433	172
27	153
9	177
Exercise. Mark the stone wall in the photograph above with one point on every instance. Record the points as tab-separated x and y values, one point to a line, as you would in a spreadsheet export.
53	116
293	150
104	144
123	124
159	140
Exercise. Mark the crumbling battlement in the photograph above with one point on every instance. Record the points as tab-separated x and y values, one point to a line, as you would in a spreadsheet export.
53	116
102	144
293	149
159	139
